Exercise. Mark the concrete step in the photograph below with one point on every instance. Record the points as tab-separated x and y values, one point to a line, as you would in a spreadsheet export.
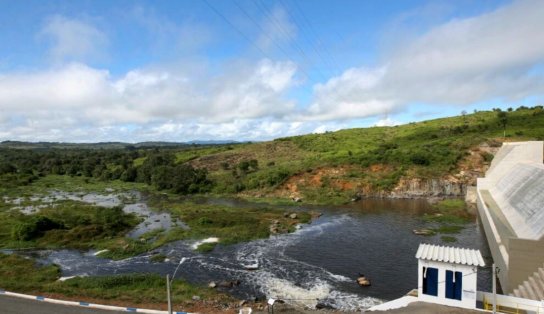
539	278
522	292
540	284
532	288
533	281
530	292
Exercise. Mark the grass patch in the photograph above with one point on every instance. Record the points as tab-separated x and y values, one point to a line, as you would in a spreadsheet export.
230	224
449	229
449	211
137	288
450	215
448	239
158	258
26	276
206	247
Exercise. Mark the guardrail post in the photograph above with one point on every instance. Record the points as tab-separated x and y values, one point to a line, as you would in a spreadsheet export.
494	269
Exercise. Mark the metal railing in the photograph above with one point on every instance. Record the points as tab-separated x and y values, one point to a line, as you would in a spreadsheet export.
512	305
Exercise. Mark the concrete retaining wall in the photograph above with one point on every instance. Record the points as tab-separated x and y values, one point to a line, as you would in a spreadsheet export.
511	208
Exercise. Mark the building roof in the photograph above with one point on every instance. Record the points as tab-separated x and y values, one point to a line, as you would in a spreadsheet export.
448	254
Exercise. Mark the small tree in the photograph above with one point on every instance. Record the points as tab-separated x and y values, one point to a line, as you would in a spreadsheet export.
464	114
503	120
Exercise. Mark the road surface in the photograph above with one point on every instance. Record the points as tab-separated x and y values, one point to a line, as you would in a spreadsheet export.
13	305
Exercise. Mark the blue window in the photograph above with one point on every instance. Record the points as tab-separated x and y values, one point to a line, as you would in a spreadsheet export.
430	281
454	284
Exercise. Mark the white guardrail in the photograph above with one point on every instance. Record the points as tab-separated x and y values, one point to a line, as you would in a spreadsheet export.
511	305
86	304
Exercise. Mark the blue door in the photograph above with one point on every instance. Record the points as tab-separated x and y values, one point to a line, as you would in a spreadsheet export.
430	281
454	284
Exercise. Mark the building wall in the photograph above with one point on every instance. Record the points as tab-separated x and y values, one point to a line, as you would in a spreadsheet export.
468	299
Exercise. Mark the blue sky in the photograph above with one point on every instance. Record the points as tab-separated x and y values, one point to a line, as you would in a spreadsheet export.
87	71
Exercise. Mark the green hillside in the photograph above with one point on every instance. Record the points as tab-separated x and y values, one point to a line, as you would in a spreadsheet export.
375	157
319	168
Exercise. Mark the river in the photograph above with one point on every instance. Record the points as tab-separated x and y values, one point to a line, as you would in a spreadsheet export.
316	264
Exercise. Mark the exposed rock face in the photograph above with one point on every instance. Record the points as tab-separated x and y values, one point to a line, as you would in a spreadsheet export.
421	188
408	188
347	178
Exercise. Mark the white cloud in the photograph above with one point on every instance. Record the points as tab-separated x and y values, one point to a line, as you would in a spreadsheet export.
76	96
460	62
386	122
64	88
491	56
73	40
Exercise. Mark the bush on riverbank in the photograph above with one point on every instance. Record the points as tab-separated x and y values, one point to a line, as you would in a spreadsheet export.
24	275
65	224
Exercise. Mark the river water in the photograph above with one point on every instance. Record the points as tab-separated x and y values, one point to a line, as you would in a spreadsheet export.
316	264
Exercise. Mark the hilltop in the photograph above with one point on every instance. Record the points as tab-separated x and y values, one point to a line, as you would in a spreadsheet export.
440	156
431	158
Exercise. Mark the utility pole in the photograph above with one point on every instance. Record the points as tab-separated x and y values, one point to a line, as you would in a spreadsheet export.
168	293
494	270
169	283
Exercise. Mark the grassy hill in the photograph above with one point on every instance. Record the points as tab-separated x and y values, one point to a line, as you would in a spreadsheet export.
332	167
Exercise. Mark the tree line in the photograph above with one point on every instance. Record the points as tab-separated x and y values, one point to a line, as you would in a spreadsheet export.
156	167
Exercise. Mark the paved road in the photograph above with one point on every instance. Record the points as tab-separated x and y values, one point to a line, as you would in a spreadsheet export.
429	308
13	305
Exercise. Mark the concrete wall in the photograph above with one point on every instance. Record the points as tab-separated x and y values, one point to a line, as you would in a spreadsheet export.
511	154
526	256
520	195
468	299
496	245
512	211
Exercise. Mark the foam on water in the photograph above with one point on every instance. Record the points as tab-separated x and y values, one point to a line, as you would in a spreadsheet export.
350	301
285	290
208	240
100	252
282	277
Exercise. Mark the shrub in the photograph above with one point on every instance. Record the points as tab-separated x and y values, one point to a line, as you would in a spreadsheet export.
419	158
487	156
33	228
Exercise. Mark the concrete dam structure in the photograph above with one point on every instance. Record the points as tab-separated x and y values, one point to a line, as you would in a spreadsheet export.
511	208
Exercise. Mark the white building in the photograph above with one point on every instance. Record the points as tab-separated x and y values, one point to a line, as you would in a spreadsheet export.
448	275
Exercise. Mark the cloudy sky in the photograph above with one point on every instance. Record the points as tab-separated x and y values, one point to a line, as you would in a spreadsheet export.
88	71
